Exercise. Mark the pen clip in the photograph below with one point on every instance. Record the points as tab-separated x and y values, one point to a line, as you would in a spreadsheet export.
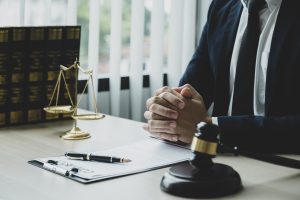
75	158
53	162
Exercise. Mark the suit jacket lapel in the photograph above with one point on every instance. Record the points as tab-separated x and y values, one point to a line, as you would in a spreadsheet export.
222	95
284	22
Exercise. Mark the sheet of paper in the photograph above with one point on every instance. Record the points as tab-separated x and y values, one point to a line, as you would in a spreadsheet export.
145	155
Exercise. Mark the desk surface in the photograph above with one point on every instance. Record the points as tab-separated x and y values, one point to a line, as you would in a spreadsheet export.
19	180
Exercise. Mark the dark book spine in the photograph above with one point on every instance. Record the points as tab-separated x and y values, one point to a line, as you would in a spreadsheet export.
17	80
4	75
71	53
34	74
54	58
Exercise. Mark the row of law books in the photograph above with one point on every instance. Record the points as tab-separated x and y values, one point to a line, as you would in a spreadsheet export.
30	59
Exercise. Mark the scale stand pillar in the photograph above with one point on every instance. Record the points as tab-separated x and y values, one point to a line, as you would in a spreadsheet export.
75	133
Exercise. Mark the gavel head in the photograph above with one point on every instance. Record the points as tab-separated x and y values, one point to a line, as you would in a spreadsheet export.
204	145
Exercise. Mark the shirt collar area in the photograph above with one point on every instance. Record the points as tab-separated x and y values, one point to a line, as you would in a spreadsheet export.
272	4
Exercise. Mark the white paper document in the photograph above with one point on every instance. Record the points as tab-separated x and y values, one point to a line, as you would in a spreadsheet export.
145	155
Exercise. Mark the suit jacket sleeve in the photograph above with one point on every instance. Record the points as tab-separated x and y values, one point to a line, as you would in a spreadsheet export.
261	134
198	72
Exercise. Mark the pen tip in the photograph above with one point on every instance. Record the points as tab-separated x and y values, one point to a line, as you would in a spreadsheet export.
125	160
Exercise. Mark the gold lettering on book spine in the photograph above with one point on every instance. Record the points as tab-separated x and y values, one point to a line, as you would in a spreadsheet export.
16	95
4	35
37	34
2	118
18	34
73	33
34	115
52	75
55	34
3	93
16	117
16	78
3	79
34	93
35	76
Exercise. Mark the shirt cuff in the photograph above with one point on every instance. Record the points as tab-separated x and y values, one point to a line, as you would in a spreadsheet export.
214	121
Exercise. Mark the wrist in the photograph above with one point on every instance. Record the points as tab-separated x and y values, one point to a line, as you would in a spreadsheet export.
208	120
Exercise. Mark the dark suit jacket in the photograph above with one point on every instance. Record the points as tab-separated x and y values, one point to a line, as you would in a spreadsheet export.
208	72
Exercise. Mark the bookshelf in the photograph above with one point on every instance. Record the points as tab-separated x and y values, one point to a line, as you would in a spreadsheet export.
30	59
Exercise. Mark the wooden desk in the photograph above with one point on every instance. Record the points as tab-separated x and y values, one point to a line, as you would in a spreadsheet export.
19	180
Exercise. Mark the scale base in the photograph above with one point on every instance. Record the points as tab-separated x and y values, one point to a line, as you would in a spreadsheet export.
186	180
75	134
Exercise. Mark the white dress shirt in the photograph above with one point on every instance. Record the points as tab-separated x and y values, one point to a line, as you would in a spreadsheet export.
268	17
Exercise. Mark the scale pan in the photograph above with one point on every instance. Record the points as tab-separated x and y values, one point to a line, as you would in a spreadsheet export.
94	116
64	109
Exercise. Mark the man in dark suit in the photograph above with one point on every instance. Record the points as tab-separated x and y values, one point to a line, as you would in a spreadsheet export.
248	65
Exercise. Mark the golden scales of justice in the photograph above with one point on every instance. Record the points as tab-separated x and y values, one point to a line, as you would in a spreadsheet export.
75	133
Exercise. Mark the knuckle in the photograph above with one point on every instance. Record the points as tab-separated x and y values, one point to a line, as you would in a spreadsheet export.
155	116
156	99
169	113
164	95
176	101
158	91
163	89
170	97
148	103
152	107
151	102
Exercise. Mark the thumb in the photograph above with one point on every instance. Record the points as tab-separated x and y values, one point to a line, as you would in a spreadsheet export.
189	92
177	89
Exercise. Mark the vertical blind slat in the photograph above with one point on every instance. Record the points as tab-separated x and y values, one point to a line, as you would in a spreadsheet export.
175	42
93	48
157	45
71	12
115	55
47	10
189	28
27	9
22	12
136	58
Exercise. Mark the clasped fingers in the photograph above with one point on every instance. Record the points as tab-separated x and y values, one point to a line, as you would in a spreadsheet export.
163	111
150	115
162	129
